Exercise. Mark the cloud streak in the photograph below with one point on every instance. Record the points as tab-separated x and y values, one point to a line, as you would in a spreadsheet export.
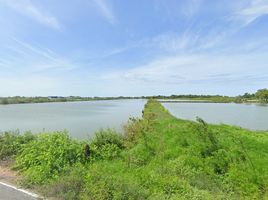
106	11
37	58
190	7
249	14
26	8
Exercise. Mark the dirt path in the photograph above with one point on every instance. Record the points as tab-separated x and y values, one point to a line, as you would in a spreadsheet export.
6	175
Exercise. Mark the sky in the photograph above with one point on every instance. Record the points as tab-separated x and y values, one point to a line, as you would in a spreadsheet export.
133	48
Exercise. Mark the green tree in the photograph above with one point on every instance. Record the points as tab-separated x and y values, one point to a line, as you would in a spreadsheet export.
264	96
4	101
246	95
259	93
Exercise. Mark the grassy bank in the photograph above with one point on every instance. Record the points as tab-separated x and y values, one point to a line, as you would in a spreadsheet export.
157	157
21	100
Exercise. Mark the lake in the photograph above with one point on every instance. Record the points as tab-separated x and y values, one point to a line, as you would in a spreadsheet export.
79	118
246	115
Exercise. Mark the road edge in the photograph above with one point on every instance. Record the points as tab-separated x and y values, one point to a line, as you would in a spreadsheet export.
21	190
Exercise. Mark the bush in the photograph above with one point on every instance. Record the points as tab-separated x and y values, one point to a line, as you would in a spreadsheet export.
48	156
10	142
134	129
106	144
107	137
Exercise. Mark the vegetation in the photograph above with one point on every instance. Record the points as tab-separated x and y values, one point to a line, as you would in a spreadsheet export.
261	95
193	98
157	157
18	99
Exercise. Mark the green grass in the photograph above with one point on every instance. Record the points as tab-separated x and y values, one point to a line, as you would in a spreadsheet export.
157	157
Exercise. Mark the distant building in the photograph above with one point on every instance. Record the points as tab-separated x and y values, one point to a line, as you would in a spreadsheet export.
56	97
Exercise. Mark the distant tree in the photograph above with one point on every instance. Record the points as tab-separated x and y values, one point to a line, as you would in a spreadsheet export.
264	96
4	101
247	95
259	93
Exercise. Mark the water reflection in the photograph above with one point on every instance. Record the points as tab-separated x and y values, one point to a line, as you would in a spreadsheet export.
262	104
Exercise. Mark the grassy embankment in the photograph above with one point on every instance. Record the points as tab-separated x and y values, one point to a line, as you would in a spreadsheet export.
195	98
20	100
204	100
159	157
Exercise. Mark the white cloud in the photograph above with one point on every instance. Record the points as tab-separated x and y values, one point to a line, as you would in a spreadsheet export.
250	13
211	69
26	7
173	42
106	11
36	59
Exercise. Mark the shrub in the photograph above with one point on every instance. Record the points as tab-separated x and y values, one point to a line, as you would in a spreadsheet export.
134	129
48	156
10	142
107	137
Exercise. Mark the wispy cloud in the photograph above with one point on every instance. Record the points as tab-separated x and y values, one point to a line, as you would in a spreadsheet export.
117	51
197	68
173	42
190	7
106	11
250	13
26	7
37	58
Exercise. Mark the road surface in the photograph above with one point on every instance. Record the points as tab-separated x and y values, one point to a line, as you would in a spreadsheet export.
10	192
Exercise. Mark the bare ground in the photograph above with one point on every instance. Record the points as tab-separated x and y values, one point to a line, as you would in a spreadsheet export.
7	175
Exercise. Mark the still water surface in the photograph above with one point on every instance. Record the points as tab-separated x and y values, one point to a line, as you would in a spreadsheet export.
79	118
251	116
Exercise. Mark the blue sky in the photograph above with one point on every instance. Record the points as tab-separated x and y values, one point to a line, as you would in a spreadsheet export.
133	48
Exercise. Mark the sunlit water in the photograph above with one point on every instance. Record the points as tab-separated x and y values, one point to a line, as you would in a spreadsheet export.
79	118
250	116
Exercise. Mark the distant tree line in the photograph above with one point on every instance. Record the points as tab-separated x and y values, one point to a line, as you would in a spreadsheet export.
19	99
185	96
261	94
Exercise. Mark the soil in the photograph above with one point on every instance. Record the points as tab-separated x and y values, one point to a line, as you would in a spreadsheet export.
7	175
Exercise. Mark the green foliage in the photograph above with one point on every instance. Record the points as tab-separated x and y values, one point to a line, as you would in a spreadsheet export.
107	137
264	95
69	186
4	101
11	141
48	156
106	144
200	120
135	129
260	92
101	185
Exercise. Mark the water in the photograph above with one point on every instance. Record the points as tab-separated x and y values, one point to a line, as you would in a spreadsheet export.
79	118
251	116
